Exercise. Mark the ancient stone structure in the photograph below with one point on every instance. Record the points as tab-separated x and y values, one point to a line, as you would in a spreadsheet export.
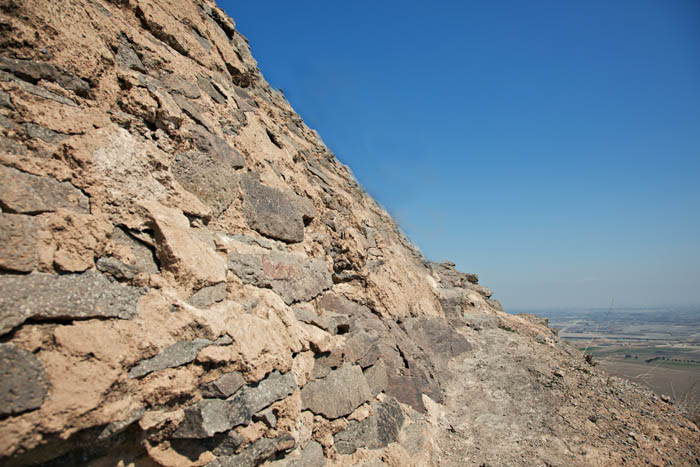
188	276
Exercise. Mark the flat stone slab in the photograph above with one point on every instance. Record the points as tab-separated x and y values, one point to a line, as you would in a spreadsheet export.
127	58
25	193
116	268
256	453
338	394
322	322
292	276
41	296
173	356
205	419
211	416
377	377
375	432
437	339
311	456
209	171
332	303
208	296
23	381
18	249
206	85
33	71
274	387
142	256
271	212
224	386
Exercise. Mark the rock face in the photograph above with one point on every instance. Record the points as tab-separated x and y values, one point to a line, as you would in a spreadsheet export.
73	296
18	243
23	384
294	277
338	394
24	193
188	276
271	212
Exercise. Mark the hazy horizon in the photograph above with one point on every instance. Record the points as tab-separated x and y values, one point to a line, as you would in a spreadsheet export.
552	148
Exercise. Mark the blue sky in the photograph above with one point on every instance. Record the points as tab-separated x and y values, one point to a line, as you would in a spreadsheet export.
551	147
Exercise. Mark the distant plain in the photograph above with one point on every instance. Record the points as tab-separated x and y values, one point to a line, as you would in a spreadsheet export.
655	346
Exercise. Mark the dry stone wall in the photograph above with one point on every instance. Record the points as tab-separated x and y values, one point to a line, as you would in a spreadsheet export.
188	276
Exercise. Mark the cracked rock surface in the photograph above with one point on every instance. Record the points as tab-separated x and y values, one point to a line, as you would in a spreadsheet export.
189	277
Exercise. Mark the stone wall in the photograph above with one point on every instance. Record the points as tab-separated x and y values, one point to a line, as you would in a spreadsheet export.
188	275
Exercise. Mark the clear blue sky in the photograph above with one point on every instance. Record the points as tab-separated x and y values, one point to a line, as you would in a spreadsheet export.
552	147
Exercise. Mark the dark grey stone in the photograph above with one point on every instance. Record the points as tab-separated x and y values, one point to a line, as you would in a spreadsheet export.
24	193
11	146
207	86
178	354
268	417
227	444
221	444
9	124
127	58
361	346
116	268
224	386
23	381
37	90
149	82
409	390
45	134
374	432
292	276
117	427
209	171
256	453
210	416
18	248
271	212
179	85
376	377
6	101
337	304
33	71
309	317
142	256
244	100
208	296
259	241
316	170
191	110
40	296
338	394
273	388
203	41
311	456
437	338
325	363
205	419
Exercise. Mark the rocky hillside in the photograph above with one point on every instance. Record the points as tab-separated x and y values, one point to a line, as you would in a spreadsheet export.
190	277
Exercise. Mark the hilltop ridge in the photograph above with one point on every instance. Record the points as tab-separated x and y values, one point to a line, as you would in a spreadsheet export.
188	276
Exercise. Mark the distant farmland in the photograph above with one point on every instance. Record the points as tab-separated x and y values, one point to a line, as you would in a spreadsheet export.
657	347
